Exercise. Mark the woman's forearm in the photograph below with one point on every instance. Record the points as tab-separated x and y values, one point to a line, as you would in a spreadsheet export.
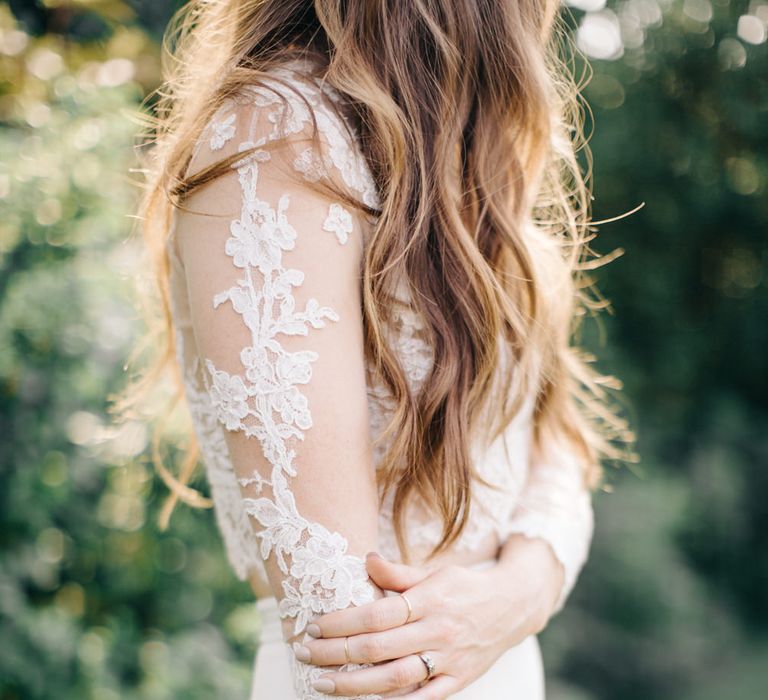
527	575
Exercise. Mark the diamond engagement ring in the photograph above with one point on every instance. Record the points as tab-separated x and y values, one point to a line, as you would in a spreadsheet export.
426	659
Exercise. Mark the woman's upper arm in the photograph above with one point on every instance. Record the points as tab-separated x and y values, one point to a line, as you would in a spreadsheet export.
273	277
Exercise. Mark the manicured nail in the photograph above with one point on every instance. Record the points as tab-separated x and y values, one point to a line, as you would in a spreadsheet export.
314	630
373	554
324	685
302	653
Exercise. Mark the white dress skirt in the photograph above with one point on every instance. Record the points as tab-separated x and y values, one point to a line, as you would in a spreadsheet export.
518	674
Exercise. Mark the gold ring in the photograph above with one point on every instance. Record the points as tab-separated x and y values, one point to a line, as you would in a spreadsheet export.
410	609
346	650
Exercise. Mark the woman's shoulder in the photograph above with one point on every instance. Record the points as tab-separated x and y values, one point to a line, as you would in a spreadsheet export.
287	103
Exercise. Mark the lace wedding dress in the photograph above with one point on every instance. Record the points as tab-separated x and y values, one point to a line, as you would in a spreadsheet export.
266	303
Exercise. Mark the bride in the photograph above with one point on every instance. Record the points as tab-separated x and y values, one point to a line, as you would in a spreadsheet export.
369	223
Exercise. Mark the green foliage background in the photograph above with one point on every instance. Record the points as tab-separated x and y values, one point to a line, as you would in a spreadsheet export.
96	603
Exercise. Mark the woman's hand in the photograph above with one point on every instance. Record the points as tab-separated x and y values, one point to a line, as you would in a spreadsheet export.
464	619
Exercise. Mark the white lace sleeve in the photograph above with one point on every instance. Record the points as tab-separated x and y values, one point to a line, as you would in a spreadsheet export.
273	276
556	506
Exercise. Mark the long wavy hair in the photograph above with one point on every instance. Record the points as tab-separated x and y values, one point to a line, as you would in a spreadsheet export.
470	120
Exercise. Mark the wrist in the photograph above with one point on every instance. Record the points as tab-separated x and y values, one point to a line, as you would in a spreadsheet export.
529	575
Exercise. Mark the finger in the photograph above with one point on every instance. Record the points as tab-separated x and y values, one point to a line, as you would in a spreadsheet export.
398	674
385	613
439	688
371	648
391	576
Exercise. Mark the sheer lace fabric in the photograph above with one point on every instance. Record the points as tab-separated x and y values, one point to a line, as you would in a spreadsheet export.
266	305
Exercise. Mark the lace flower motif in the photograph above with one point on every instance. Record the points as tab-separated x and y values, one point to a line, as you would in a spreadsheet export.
309	165
339	222
223	131
229	397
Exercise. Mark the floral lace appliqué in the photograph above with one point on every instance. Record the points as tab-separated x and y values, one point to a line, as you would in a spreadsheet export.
338	221
223	130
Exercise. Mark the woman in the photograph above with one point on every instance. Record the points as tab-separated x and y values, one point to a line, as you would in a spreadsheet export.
368	220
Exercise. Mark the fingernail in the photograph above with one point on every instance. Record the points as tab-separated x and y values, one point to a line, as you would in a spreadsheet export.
324	685
302	653
314	630
373	554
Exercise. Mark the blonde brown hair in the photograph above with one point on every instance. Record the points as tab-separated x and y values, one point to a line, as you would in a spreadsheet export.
470	124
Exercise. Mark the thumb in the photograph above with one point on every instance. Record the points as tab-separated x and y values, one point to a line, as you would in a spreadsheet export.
391	576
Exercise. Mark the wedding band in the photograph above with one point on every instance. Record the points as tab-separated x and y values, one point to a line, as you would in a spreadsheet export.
346	650
426	659
410	609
